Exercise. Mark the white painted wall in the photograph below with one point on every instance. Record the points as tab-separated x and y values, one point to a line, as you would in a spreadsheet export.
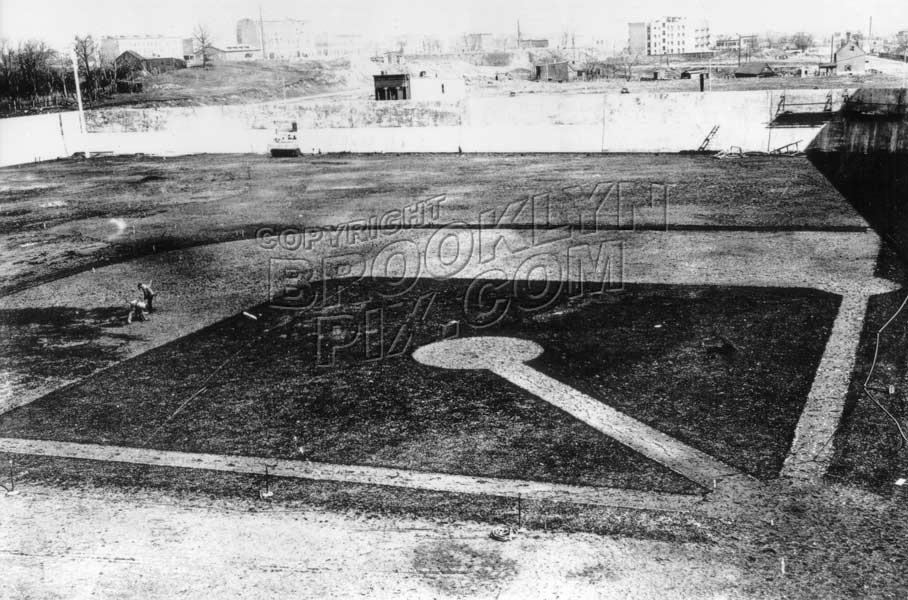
669	122
30	139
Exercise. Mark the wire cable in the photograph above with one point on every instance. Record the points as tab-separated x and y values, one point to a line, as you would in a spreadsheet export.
204	388
876	352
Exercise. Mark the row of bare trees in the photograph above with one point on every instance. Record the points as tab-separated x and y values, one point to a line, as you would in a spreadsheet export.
33	75
29	74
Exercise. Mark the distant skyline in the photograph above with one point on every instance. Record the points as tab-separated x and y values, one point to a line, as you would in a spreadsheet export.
56	21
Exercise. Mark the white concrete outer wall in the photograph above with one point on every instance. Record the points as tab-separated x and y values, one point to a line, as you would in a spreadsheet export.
36	138
669	122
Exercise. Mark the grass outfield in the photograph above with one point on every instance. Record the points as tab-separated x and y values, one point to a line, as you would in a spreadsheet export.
655	352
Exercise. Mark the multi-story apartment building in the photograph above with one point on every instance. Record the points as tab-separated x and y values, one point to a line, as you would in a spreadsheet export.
668	35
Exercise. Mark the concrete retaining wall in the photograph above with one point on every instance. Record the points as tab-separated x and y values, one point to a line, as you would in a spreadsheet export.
41	137
669	122
339	114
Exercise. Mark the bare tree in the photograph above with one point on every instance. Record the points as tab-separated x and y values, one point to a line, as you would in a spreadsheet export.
203	44
86	50
34	62
9	75
802	40
627	61
107	67
30	76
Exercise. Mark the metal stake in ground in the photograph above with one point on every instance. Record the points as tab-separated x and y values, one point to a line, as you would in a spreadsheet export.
519	513
266	493
11	490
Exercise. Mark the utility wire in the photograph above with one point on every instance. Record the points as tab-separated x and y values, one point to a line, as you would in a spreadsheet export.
876	351
203	388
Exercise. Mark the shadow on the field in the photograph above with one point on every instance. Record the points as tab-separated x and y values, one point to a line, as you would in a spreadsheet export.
868	447
62	341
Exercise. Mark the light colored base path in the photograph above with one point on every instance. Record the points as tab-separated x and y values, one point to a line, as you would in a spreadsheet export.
88	544
507	358
460	484
812	448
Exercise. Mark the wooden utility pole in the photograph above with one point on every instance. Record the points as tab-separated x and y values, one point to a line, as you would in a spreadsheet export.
78	91
63	76
262	32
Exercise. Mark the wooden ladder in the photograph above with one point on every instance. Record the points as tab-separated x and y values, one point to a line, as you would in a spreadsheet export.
708	138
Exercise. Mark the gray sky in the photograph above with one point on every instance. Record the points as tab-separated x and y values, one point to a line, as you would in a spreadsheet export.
56	21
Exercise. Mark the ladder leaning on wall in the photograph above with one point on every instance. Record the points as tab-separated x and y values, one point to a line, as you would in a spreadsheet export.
708	139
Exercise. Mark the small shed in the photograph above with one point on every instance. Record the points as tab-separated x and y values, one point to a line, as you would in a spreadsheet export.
658	74
554	71
601	70
850	58
132	63
694	73
393	57
755	69
393	86
235	53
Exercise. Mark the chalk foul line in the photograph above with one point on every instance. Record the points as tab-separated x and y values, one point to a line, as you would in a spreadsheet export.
358	474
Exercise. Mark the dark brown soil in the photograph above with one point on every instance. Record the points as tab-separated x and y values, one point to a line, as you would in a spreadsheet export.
655	352
870	451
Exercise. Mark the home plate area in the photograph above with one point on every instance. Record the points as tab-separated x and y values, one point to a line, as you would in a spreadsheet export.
648	396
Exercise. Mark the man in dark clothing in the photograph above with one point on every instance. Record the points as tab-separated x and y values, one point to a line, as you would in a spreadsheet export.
148	295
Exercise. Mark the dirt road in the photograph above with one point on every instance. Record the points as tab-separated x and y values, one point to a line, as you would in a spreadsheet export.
91	544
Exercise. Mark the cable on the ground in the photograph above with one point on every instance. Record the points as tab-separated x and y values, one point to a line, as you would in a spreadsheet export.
876	351
203	388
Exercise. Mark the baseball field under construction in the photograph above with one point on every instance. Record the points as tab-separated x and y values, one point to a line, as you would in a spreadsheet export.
663	348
